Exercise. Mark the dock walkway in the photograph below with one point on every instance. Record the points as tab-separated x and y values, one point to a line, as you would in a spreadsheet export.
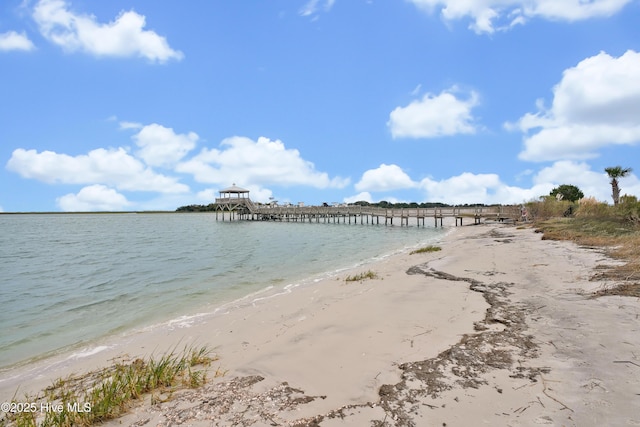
363	214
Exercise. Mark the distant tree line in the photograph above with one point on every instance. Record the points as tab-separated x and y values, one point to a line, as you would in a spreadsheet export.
197	208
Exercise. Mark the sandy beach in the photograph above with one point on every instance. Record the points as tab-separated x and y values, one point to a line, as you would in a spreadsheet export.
498	328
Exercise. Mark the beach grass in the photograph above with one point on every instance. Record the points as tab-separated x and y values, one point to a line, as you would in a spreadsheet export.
616	235
362	276
426	249
109	393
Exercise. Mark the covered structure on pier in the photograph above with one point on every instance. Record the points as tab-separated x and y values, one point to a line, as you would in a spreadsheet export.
234	199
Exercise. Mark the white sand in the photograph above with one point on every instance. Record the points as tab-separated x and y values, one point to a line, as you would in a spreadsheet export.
546	354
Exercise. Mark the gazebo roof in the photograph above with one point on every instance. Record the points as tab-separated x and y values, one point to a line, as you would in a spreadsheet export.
234	189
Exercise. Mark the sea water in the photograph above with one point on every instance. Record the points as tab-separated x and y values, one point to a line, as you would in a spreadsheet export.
69	280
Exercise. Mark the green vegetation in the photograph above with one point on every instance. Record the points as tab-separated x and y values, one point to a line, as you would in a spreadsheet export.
567	192
197	208
425	249
99	396
362	276
615	228
627	209
614	173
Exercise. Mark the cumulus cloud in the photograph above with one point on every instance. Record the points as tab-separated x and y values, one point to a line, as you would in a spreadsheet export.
93	198
161	146
114	167
596	104
124	37
11	40
592	183
384	178
489	188
469	187
434	116
364	196
490	15
260	162
464	188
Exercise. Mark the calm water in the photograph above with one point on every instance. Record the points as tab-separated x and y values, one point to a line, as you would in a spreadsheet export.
69	280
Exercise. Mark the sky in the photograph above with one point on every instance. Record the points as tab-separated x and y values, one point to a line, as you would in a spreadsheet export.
133	105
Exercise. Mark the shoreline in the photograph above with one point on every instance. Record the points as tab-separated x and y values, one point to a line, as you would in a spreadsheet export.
40	372
497	328
112	296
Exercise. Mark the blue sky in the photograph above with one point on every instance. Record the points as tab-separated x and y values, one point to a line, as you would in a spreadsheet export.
146	104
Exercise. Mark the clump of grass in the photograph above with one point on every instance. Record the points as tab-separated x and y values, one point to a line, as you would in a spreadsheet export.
362	276
426	249
624	289
618	237
103	395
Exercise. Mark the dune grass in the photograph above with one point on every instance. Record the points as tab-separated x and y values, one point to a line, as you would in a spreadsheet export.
426	249
106	394
618	237
362	276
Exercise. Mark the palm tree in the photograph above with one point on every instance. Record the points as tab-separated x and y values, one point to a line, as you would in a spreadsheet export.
614	173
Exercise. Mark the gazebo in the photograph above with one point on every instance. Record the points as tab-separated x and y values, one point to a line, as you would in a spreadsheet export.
234	199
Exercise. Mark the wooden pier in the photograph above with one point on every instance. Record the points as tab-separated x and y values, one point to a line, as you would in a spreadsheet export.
235	201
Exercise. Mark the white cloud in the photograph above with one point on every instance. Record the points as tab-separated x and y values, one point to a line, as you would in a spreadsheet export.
384	178
259	194
464	188
491	15
592	183
93	198
489	188
207	195
311	7
260	162
469	188
123	37
596	104
364	196
113	167
434	116
161	146
11	40
571	172
130	125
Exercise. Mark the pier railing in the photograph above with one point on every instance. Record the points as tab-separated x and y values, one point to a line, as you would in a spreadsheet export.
372	214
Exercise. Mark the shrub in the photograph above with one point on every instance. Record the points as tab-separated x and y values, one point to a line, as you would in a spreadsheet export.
628	208
547	207
590	207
